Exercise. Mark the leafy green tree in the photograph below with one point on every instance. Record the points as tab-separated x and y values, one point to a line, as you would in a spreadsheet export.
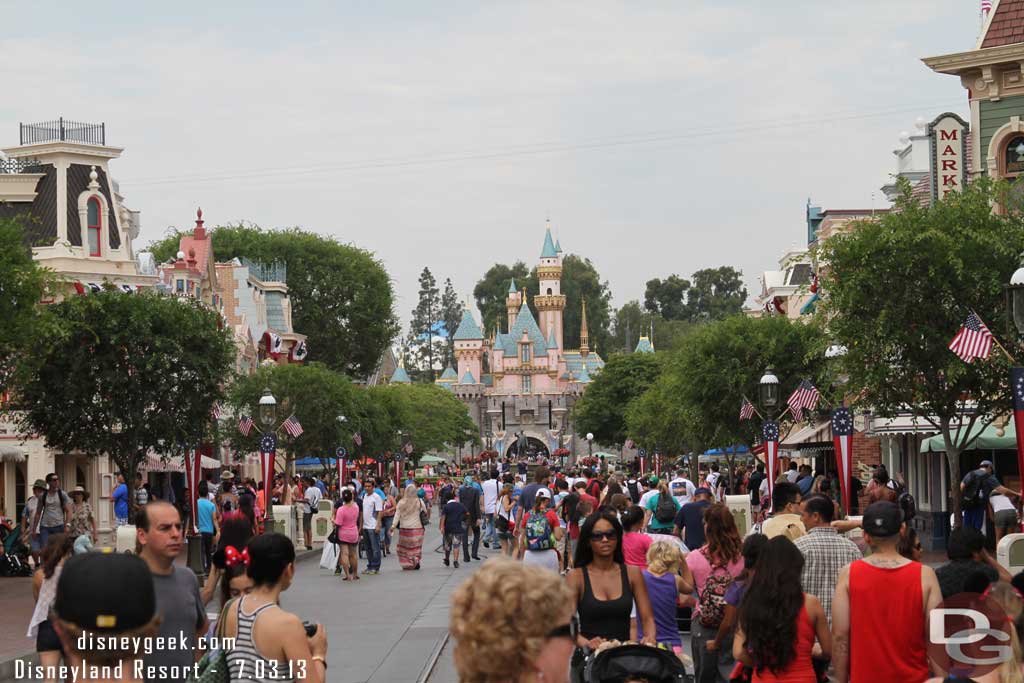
342	297
491	292
451	315
715	293
896	291
602	409
668	333
667	297
423	325
430	418
629	324
316	395
122	375
22	283
580	280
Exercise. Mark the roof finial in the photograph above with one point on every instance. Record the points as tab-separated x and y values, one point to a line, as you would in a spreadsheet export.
584	333
200	232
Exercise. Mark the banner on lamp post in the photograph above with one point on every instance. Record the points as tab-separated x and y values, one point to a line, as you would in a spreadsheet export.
268	451
770	433
642	454
1017	386
842	441
340	453
193	465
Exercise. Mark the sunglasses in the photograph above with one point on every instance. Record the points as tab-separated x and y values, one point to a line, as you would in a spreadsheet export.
570	630
602	536
917	547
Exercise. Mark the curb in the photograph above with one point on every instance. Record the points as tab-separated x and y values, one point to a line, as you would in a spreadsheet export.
435	655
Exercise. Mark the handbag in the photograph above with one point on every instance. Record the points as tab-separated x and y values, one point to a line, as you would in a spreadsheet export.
213	667
332	537
424	515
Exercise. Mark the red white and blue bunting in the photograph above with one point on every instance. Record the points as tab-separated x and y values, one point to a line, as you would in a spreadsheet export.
299	352
272	343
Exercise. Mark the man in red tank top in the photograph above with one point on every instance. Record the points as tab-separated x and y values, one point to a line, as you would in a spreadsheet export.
881	606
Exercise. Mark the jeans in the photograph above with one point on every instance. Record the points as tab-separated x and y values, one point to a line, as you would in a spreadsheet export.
974	517
490	534
475	530
385	532
709	667
372	538
207	549
46	531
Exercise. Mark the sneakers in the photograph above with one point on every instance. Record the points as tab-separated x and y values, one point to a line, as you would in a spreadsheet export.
476	557
456	564
446	562
337	570
487	544
370	571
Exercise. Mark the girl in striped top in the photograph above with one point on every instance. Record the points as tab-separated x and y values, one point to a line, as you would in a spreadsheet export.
278	650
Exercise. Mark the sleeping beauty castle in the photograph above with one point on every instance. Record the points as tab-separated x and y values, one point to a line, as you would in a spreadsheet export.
520	385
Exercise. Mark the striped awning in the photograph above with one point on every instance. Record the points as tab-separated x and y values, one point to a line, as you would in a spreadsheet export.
11	453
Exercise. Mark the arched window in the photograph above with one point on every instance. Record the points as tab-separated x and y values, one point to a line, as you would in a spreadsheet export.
95	227
1013	157
549	291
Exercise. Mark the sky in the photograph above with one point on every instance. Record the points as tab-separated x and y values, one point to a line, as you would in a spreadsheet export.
657	137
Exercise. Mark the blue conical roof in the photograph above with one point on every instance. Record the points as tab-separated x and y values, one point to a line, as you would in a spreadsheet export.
583	377
558	246
524	321
549	246
552	342
448	374
644	346
468	378
468	329
400	376
512	286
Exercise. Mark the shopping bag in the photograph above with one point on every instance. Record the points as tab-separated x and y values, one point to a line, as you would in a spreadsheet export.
329	557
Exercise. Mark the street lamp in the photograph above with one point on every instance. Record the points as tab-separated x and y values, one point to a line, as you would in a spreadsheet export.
268	409
768	388
590	443
1015	297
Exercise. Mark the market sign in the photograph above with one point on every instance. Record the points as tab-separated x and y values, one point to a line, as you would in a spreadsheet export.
949	158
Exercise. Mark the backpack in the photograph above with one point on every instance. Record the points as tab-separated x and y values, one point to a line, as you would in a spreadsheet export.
594	488
971	496
634	491
905	501
538	532
712	597
665	510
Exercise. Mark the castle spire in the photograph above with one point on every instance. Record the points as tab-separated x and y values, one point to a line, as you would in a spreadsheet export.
512	286
548	250
584	333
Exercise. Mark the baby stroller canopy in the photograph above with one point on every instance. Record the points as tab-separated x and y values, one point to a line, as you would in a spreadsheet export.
635	662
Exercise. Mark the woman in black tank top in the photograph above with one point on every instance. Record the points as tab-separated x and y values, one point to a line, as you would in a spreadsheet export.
605	589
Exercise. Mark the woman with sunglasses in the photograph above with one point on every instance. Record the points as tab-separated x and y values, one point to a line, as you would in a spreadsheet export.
910	545
494	643
605	588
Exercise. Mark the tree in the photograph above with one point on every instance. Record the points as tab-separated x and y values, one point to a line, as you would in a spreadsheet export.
429	417
491	292
715	293
342	297
897	289
423	326
668	297
316	395
22	283
451	315
581	281
630	323
602	409
122	375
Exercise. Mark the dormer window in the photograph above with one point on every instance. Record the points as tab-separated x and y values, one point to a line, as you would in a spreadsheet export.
524	353
95	227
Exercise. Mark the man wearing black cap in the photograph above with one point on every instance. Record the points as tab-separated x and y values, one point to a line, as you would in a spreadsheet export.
881	606
975	489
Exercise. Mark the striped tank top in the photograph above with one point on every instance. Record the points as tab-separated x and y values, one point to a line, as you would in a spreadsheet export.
245	663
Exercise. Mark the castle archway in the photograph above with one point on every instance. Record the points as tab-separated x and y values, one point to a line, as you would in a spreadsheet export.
534	447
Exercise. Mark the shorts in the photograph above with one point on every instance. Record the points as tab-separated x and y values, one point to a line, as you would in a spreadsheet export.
453	539
1005	519
47	639
307	521
120	521
35	543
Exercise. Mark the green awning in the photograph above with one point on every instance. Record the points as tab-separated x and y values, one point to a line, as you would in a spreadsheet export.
987	440
613	456
431	458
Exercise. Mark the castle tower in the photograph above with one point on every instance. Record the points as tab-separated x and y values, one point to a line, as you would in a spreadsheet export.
469	346
584	332
512	303
550	302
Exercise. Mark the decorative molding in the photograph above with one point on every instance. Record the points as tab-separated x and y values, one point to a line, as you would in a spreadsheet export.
975	59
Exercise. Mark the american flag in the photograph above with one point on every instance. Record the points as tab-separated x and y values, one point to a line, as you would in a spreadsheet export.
292	426
973	340
986	6
245	425
357	439
746	410
804	398
215	411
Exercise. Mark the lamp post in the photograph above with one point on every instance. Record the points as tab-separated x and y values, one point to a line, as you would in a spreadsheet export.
590	444
1015	297
1015	303
268	417
768	392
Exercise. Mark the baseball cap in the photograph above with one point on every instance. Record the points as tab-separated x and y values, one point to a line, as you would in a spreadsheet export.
703	490
92	588
653	481
882	519
543	493
986	463
39	484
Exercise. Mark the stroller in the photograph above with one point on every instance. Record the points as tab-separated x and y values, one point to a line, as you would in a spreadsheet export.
14	561
635	663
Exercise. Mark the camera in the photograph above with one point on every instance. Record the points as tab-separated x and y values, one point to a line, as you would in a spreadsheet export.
310	628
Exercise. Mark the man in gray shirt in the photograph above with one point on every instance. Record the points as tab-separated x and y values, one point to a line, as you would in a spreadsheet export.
53	513
177	591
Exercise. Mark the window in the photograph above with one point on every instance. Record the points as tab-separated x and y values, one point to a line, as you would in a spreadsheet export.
199	292
95	227
181	286
527	384
549	291
524	353
1013	159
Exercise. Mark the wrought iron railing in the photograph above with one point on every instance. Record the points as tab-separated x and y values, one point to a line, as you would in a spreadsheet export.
63	130
268	272
20	166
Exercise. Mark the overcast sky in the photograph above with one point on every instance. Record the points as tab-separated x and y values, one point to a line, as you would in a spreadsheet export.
659	137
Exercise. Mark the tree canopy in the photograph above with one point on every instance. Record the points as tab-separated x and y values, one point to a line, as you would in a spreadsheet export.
491	292
342	297
602	409
709	294
22	283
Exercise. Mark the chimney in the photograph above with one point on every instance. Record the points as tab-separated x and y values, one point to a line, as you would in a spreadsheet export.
200	232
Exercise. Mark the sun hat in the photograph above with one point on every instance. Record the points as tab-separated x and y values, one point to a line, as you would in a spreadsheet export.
78	489
39	484
227	474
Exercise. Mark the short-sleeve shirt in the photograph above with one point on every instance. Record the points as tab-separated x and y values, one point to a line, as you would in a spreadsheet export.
181	608
120	497
454	516
372	504
652	505
346	518
53	508
491	488
690	519
701	569
735	592
312	497
682	490
634	548
204	518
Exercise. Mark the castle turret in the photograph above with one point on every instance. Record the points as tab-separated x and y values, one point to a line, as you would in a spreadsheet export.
512	303
469	345
550	302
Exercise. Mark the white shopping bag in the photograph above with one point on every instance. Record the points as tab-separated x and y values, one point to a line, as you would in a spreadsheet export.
329	557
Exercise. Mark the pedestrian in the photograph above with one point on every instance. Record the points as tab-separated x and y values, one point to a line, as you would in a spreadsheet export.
661	511
910	545
281	637
94	585
387	515
793	472
715	483
682	489
650	490
372	509
495	640
714	566
469	496
778	622
119	496
410	529
504	521
227	499
207	522
825	552
967	555
975	489
689	521
452	522
784	519
666	578
53	512
141	490
235	532
1003	511
179	604
311	500
635	543
753	545
881	607
30	523
347	523
59	547
542	533
492	489
604	589
754	487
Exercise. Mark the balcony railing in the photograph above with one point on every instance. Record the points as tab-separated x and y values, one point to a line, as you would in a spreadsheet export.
268	272
20	166
63	130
